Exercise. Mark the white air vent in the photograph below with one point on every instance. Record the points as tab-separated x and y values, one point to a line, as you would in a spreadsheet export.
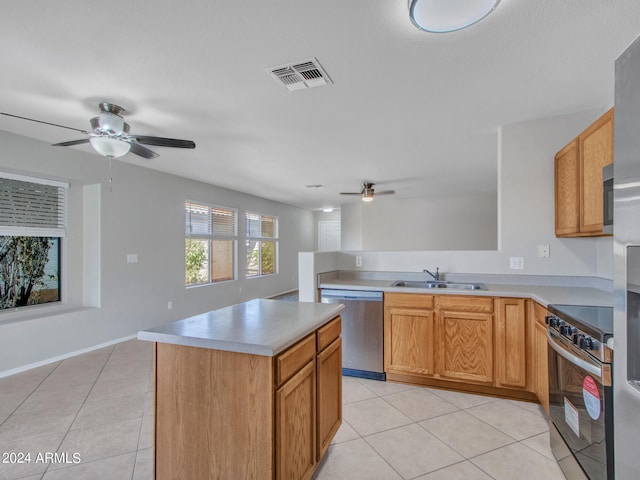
299	75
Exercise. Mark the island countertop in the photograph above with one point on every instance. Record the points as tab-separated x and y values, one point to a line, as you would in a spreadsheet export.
260	326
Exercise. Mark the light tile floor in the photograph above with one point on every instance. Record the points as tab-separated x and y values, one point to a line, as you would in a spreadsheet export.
99	406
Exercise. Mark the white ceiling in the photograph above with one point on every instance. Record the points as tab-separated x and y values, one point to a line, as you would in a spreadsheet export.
409	110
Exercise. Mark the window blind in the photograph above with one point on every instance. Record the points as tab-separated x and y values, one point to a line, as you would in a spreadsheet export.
203	220
32	207
261	226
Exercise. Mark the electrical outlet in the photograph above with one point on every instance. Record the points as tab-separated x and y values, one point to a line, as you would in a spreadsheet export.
516	263
543	251
169	305
358	260
132	258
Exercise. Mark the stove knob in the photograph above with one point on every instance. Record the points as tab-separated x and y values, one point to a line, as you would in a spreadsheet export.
576	338
587	343
564	330
555	321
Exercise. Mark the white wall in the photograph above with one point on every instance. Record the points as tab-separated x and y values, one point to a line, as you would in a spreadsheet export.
143	215
526	215
462	222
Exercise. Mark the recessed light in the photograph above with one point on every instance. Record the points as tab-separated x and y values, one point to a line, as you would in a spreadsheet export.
327	210
314	186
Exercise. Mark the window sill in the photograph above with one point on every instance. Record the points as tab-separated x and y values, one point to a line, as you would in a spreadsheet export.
20	314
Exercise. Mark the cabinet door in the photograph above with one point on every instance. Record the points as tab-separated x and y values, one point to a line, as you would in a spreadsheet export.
296	426
542	362
511	358
329	406
408	340
596	151
567	197
466	346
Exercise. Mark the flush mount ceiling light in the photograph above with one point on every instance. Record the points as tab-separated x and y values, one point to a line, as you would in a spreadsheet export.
110	147
440	16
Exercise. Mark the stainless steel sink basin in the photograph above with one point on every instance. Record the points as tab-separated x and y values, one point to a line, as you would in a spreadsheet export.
433	284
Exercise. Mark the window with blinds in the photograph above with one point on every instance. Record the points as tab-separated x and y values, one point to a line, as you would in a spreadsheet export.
32	224
261	244
210	243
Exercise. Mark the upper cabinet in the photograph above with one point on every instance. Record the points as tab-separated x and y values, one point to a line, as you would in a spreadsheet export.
578	180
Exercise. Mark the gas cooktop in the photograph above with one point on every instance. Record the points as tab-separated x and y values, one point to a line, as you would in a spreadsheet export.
596	321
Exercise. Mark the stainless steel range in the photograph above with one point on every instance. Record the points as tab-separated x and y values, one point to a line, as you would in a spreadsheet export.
581	390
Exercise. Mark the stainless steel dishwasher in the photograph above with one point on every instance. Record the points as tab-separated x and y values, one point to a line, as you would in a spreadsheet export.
362	331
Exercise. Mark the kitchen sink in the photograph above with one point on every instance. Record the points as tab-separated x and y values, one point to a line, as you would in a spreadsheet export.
434	284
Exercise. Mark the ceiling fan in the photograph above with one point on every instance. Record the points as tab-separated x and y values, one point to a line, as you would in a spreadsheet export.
368	192
110	135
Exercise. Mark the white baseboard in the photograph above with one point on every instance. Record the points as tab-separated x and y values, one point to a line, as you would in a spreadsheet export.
41	363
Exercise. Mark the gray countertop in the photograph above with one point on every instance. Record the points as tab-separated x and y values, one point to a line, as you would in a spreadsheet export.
543	294
260	326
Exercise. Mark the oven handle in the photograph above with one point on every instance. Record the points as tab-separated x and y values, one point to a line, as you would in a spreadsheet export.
594	370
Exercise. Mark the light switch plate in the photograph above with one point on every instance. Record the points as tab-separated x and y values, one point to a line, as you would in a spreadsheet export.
543	251
358	260
516	263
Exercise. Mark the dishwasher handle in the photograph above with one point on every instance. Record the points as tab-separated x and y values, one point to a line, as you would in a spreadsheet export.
362	295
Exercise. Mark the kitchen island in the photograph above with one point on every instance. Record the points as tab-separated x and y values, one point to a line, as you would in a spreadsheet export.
250	391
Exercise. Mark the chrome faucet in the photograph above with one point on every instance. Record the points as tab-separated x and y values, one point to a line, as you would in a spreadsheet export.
436	277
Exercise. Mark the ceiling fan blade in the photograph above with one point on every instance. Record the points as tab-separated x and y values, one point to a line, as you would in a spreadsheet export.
386	192
71	143
143	152
46	123
162	142
350	193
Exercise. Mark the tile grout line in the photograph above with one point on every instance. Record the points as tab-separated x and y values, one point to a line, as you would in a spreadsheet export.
79	409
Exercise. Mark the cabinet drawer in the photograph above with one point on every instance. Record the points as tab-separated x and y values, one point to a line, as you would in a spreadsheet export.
465	304
296	357
328	333
417	300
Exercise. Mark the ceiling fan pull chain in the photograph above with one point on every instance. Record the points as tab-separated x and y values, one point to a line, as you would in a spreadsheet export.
110	176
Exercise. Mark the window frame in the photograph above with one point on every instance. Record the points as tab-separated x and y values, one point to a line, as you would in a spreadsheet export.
210	238
28	226
275	239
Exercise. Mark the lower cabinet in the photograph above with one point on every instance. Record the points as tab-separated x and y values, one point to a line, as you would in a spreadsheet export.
329	395
466	346
231	415
476	343
408	340
296	425
511	342
540	356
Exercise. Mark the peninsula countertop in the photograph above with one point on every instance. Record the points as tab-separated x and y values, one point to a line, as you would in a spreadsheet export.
260	326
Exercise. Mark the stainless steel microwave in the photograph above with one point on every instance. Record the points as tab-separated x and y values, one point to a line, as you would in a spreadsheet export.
607	205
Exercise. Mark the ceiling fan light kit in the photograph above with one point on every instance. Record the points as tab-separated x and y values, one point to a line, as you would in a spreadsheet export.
441	16
110	147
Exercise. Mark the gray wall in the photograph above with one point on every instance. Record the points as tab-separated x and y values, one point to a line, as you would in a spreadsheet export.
107	298
462	222
525	215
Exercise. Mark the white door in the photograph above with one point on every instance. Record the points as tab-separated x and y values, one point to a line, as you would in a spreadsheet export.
328	235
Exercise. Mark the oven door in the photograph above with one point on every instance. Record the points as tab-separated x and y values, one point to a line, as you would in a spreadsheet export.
581	410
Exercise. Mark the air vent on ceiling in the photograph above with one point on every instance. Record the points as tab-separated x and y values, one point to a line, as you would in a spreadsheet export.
299	75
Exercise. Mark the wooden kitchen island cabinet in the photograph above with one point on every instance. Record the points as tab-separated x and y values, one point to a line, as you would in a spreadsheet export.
252	391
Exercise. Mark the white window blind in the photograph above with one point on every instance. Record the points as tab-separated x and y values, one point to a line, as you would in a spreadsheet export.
203	220
32	207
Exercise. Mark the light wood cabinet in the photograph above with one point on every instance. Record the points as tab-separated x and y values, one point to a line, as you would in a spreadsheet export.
329	393
540	356
296	425
511	342
223	414
474	343
578	180
466	346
